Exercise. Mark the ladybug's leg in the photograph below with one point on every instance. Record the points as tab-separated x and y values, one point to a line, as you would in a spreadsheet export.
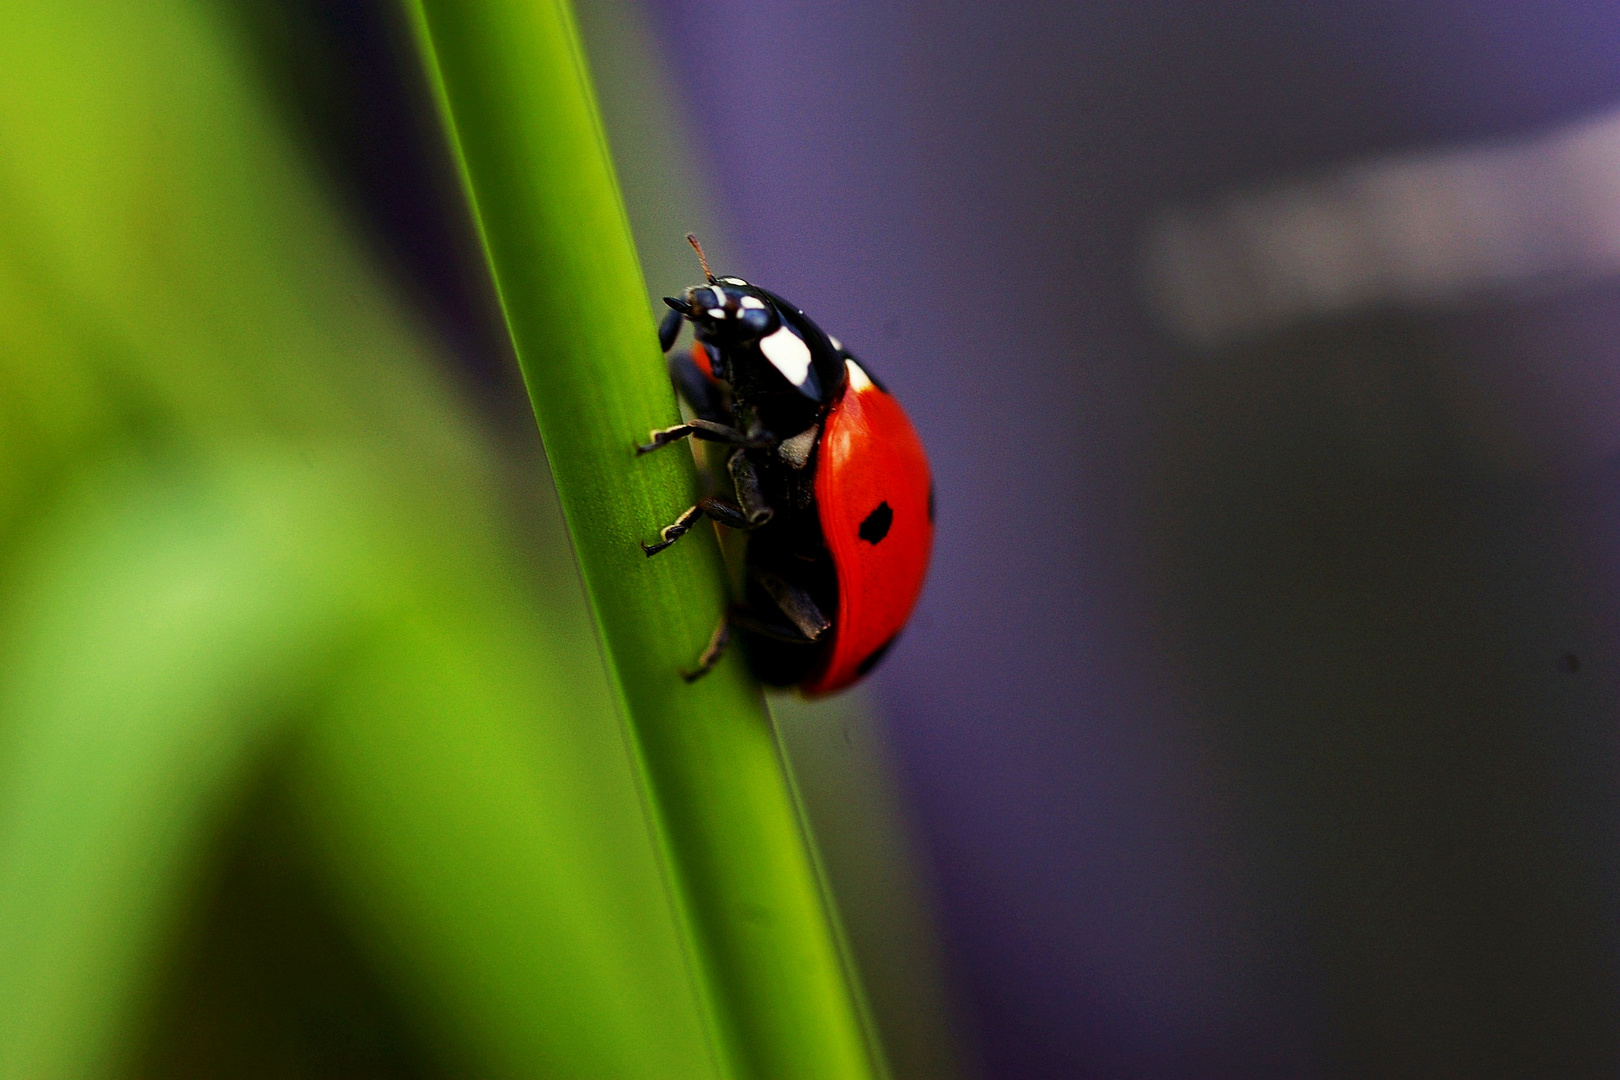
795	603
776	631
671	533
708	431
744	619
711	655
749	492
695	387
669	328
722	510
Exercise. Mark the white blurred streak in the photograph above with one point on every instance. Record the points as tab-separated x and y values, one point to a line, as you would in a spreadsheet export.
1409	230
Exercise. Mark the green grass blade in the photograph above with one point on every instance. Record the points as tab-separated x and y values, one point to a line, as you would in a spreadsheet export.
518	103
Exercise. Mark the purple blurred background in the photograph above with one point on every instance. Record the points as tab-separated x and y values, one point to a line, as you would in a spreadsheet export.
1260	714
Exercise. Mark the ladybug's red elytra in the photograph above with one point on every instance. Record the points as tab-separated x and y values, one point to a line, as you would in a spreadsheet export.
830	484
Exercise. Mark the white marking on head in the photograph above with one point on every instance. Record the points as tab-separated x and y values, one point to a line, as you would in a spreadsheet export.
858	379
732	280
839	345
717	313
788	353
752	302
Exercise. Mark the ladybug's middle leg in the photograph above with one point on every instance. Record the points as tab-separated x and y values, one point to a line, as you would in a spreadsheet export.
753	512
750	493
715	507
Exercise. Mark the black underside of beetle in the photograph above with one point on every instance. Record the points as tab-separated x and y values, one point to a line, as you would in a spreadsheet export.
789	546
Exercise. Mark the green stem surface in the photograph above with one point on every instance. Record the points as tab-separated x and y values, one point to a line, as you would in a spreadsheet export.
517	101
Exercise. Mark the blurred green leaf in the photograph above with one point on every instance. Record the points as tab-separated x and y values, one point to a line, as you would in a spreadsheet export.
243	523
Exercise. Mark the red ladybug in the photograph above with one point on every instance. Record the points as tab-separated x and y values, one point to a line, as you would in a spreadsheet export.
831	485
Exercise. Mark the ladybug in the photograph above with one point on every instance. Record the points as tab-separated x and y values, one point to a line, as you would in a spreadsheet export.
831	484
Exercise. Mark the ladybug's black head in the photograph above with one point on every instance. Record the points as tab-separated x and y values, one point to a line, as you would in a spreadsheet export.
727	312
747	328
763	345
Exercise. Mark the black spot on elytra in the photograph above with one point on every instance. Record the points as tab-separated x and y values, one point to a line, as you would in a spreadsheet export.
930	502
874	656
1569	663
876	525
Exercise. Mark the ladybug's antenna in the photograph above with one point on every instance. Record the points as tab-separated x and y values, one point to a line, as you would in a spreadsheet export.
693	240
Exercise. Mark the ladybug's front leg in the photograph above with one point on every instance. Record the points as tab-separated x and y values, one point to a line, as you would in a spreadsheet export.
695	385
707	431
669	328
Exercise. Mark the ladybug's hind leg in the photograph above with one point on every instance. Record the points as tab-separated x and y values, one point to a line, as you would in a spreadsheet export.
797	604
742	619
711	655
